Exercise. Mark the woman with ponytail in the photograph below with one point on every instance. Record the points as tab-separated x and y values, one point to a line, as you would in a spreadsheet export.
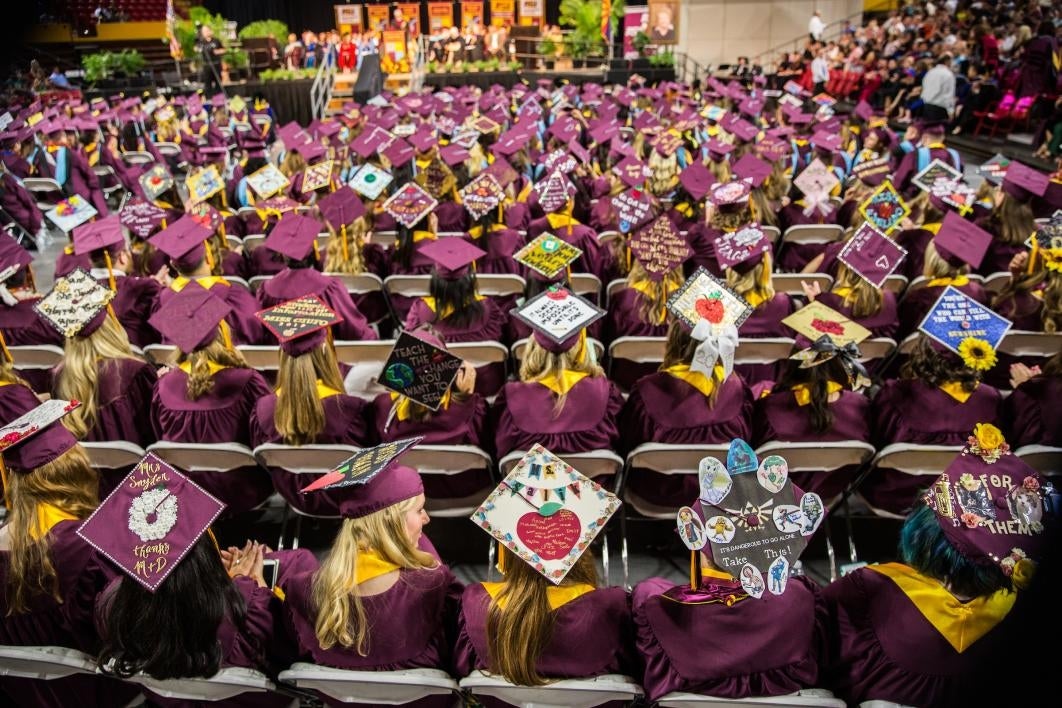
381	600
208	397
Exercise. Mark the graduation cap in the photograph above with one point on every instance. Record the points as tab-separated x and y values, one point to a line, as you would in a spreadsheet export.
696	179
956	318
502	171
183	242
410	204
151	521
557	317
452	256
317	176
547	255
453	154
660	248
995	170
370	181
74	302
705	297
730	195
437	178
36	437
141	217
961	242
742	129
300	325
267	181
815	320
634	207
71	212
98	234
420	369
884	209
481	195
752	168
190	318
341	207
718	150
379	482
745	245
423	139
546	513
935	170
399	152
204	184
872	255
554	192
12	254
632	171
371	140
1024	183
294	236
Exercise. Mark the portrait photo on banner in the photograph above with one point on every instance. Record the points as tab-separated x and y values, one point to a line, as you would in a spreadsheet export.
663	21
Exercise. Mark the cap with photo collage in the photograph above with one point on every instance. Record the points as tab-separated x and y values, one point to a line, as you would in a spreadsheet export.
659	248
191	318
36	438
300	325
76	304
545	513
151	521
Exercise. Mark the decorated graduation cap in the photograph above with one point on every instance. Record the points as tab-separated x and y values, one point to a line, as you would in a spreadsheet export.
150	522
712	312
816	319
399	152
191	318
992	506
409	204
205	183
420	368
71	212
746	245
960	241
633	208
995	170
546	513
966	327
294	236
370	181
872	255
554	192
750	518
267	181
884	209
437	178
156	181
368	472
935	170
547	255
452	256
730	196
36	437
481	195
632	171
827	347
816	181
300	325
76	304
558	318
659	247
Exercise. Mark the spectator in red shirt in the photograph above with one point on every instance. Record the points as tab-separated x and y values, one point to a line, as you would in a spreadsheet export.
348	54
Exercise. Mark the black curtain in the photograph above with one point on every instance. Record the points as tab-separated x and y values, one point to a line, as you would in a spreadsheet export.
313	15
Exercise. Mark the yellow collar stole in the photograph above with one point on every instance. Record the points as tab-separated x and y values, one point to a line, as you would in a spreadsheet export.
956	391
961	623
323	391
370	565
403	405
558	596
207	281
213	366
755	299
430	302
957	281
423	236
47	517
695	378
803	393
558	220
564	383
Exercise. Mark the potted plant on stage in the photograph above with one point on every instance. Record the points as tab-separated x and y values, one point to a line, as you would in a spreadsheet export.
113	70
586	38
548	49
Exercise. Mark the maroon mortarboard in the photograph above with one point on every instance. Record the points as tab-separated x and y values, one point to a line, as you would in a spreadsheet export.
300	325
452	256
872	255
1024	183
743	130
291	135
217	100
183	241
98	234
37	437
605	131
502	171
564	129
718	150
632	171
213	152
667	142
772	149
341	207
554	192
991	506
409	204
960	241
752	168
190	318
752	107
633	207
799	118
864	111
386	483
619	146
696	180
399	152
310	151
823	140
645	122
579	152
151	521
509	144
13	254
559	159
748	243
424	139
453	154
659	247
372	139
293	237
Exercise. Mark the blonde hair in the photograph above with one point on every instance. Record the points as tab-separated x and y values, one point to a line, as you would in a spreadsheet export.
761	206
540	363
299	416
341	618
863	299
936	267
757	281
293	164
200	379
653	299
679	349
67	482
719	170
664	173
83	358
354	260
518	633
730	220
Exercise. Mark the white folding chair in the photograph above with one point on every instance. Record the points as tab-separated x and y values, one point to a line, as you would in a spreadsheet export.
807	698
386	239
606	236
593	463
772	232
895	284
237	280
995	282
908	344
46	191
1041	344
366	360
112	455
586	284
233	242
168	149
447	461
520	345
264	357
204	457
44	662
225	684
500	284
763	350
161	354
137	157
1045	460
480	353
407	285
109	182
614	286
878	703
924	461
371	687
256	282
790	283
876	348
359	284
661	458
567	693
641	350
813	233
252	241
36	356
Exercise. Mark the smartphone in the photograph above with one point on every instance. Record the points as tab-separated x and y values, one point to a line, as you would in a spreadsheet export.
270	571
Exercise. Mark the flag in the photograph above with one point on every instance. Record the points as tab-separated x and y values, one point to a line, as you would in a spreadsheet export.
606	20
171	31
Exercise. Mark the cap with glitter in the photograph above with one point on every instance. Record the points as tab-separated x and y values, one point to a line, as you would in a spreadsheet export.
410	204
151	521
659	248
554	192
76	304
191	317
37	437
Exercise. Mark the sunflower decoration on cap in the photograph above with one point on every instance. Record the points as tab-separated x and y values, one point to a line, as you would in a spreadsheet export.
977	354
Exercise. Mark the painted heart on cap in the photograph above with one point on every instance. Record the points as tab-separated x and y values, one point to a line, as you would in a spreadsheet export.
551	537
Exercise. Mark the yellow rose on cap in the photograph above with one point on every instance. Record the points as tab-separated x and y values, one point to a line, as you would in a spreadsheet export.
989	437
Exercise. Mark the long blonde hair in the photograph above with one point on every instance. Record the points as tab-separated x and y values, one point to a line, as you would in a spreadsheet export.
293	164
755	282
67	482
200	378
353	260
341	616
518	634
863	298
539	363
83	358
936	267
654	294
299	416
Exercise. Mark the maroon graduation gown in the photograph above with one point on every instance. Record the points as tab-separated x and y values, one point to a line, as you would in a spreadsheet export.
1030	413
220	416
490	327
123	394
16	400
765	321
524	415
624	317
82	180
132	305
649	415
265	261
884	323
701	239
19	204
293	283
603	614
596	258
245	327
500	244
452	217
756	647
22	326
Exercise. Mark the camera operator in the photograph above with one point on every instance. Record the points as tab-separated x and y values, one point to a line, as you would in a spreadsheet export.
208	47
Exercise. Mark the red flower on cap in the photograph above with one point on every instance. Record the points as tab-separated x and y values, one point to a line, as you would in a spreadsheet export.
971	519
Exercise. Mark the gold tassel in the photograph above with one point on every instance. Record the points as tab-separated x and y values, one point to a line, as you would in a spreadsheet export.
766	267
7	489
110	272
209	255
500	565
316	255
343	242
1032	256
6	352
693	570
226	335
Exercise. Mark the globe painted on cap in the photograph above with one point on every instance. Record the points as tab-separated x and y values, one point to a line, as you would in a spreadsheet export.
399	375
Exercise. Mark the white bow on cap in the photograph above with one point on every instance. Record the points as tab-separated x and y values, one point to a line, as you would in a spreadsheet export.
714	346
